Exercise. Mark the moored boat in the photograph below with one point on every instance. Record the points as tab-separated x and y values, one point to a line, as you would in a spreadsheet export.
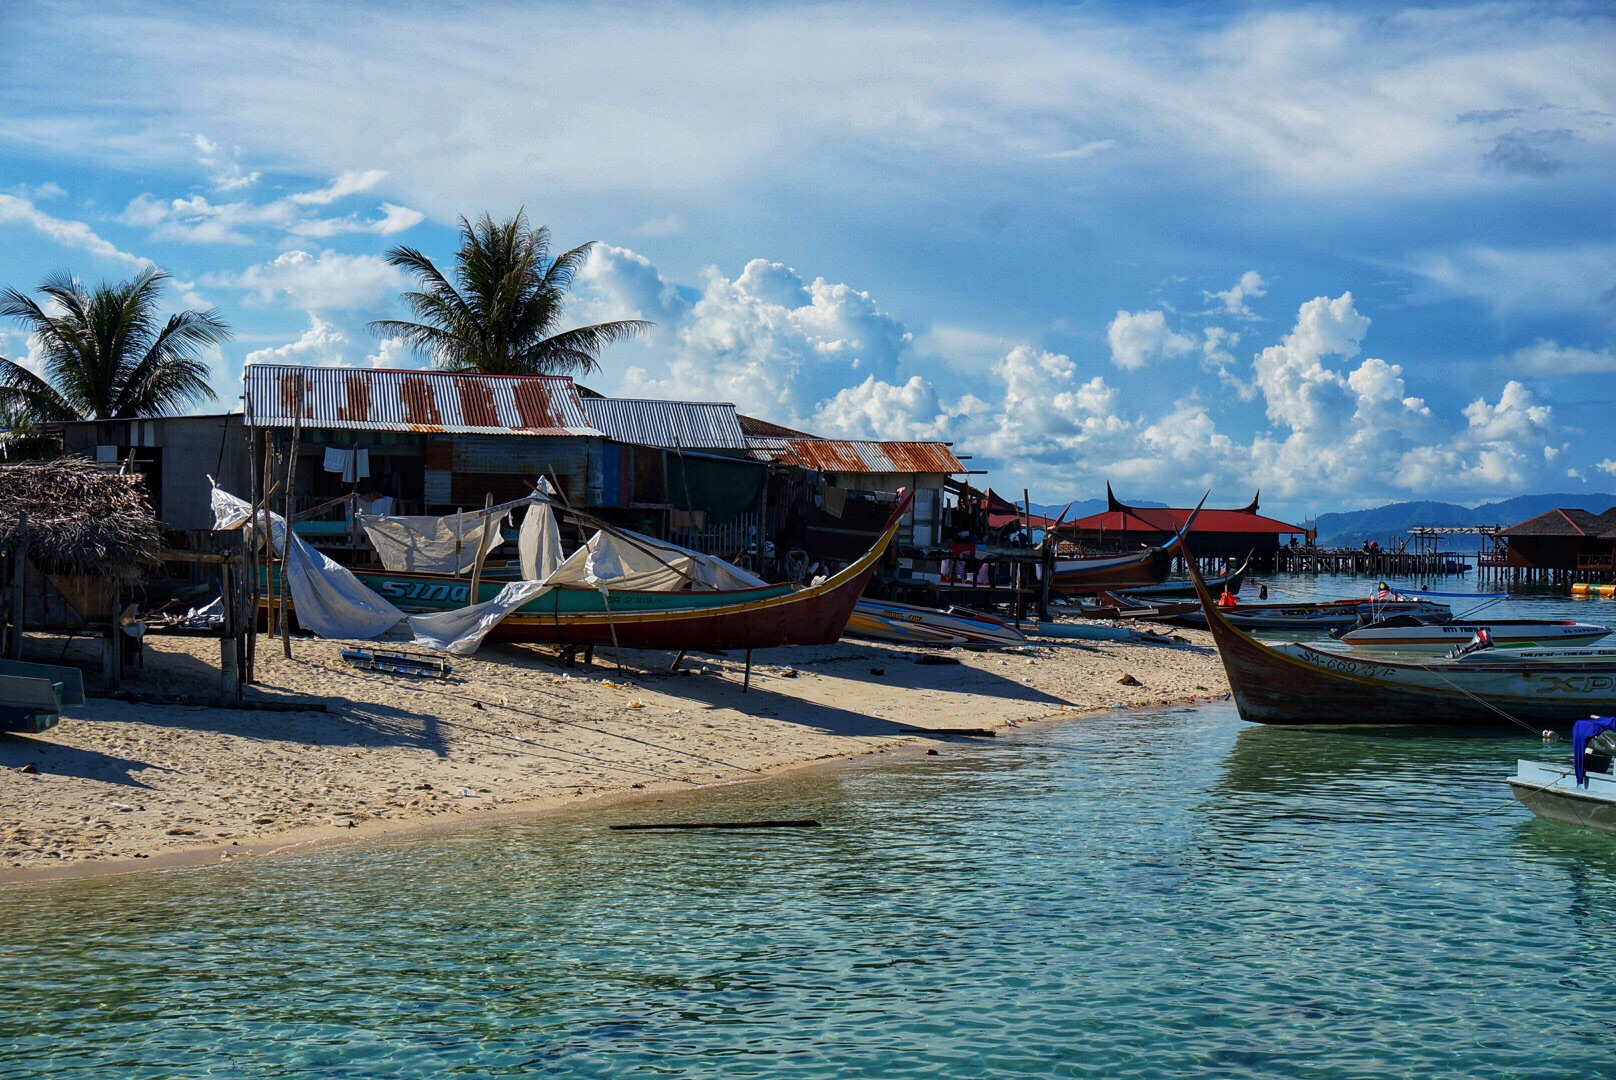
1415	634
910	624
1322	615
1583	793
1228	583
1090	574
1299	684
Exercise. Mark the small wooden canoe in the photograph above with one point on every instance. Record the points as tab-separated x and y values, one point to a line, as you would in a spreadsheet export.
910	624
1412	635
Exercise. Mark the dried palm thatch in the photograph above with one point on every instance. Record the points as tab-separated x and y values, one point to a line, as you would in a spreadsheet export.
82	518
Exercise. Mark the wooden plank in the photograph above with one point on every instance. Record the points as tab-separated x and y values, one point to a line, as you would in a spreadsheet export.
982	733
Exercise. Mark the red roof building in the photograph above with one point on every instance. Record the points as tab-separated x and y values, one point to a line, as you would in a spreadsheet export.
1217	533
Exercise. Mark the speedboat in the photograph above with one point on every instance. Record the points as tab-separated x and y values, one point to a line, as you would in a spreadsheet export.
1413	633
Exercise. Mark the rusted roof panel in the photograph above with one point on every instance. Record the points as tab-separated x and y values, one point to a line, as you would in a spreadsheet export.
376	399
857	456
685	425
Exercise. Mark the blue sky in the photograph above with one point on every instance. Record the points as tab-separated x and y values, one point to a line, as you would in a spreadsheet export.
1347	254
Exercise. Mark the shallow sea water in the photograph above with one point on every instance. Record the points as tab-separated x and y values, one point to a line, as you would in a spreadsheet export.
1140	895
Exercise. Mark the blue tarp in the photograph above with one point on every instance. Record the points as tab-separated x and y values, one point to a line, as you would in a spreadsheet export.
1581	732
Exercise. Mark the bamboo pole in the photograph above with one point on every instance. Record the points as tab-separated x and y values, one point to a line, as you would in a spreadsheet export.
482	548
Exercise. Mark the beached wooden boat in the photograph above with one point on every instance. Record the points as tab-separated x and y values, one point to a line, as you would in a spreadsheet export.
909	624
1298	684
756	618
1414	634
1088	575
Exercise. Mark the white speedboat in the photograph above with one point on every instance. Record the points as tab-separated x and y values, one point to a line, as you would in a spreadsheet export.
1415	635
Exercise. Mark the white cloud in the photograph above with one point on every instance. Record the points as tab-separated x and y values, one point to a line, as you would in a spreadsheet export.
1608	465
327	282
1139	337
1549	359
394	219
671	225
1233	299
69	234
349	182
196	219
230	175
322	344
1318	98
826	358
767	340
1522	280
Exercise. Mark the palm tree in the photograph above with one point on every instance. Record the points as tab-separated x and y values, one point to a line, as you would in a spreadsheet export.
499	314
107	353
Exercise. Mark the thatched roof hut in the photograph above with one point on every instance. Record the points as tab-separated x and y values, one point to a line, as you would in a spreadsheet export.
82	518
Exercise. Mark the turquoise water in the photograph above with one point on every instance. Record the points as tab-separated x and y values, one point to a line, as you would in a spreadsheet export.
1160	895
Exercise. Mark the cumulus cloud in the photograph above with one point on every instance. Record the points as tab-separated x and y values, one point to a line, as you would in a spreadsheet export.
327	282
768	340
827	358
70	234
322	344
1139	337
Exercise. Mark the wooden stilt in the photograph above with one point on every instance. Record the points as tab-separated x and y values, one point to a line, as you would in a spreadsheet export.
677	660
746	680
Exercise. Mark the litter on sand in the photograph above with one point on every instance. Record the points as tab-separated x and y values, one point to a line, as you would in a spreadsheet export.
397	663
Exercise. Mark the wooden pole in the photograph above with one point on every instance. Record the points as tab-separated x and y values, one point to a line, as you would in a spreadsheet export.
286	546
611	624
19	580
482	548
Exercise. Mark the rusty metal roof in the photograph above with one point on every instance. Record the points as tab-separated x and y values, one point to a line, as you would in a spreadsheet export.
857	456
684	425
378	399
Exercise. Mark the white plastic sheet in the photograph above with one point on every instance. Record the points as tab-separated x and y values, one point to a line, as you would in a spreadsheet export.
330	601
436	545
539	541
461	631
633	562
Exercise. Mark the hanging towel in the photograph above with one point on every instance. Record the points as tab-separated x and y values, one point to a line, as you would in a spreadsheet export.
352	464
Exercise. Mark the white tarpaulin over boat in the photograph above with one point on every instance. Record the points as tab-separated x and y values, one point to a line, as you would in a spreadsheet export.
538	544
462	630
330	601
627	561
434	545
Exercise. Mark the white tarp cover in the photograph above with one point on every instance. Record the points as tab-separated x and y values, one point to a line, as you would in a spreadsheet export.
330	601
430	544
462	630
625	563
538	543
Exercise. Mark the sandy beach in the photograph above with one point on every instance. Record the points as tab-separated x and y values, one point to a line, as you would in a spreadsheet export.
122	786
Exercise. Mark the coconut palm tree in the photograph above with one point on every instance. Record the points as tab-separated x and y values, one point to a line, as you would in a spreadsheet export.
500	313
107	353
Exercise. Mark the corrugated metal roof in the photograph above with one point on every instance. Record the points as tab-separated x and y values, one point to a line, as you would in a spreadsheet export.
685	425
375	399
855	456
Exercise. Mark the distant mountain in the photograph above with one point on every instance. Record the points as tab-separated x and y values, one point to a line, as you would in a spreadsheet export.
1391	523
